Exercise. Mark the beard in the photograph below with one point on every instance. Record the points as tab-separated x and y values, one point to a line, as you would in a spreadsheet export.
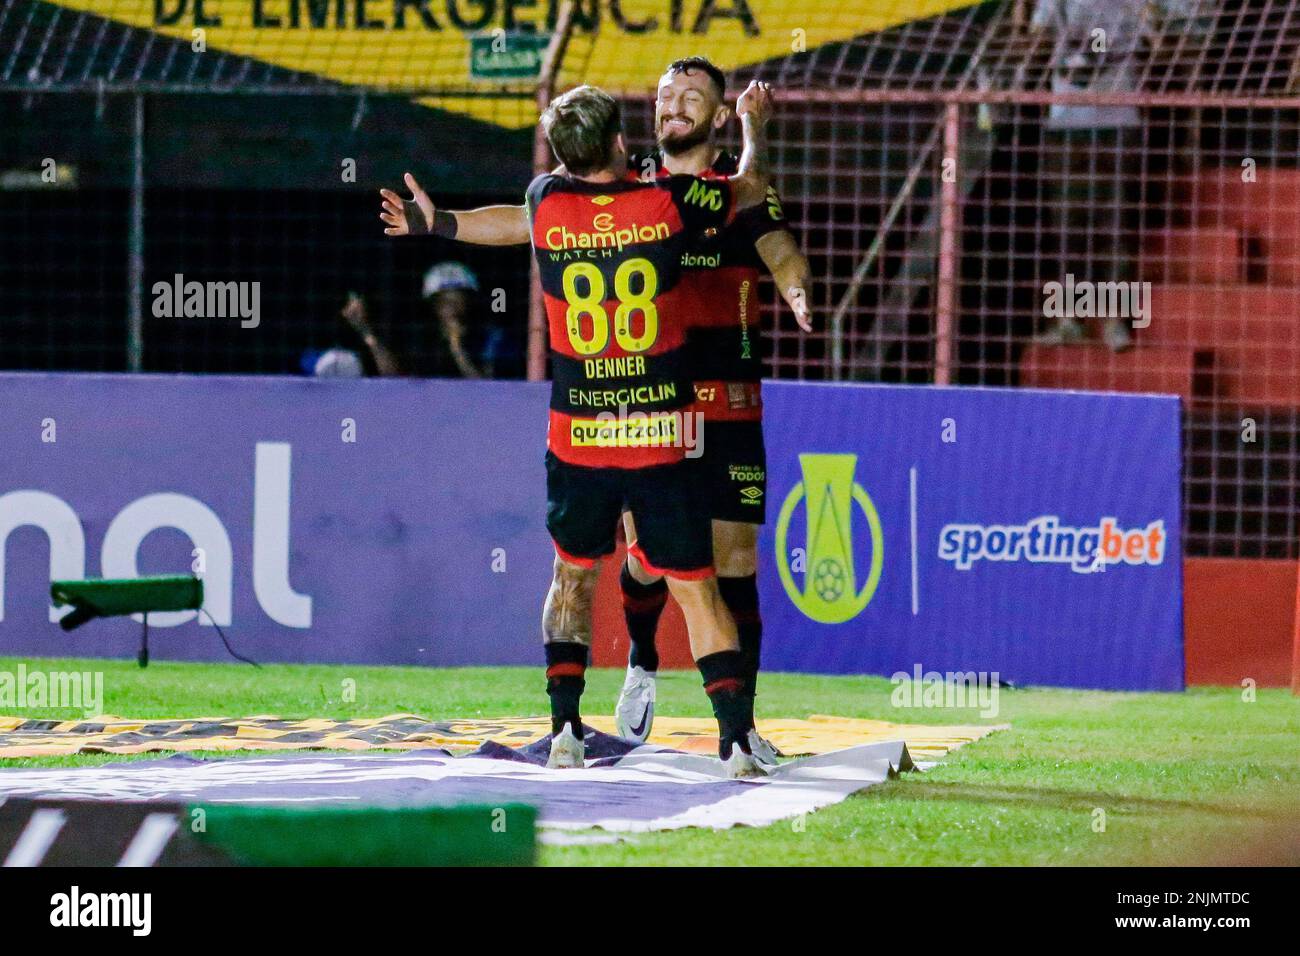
675	145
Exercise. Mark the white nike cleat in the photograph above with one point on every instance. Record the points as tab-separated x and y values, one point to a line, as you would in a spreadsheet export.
567	751
764	750
741	765
635	712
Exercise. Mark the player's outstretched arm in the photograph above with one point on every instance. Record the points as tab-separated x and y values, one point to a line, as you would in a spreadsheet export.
492	225
790	271
754	107
485	226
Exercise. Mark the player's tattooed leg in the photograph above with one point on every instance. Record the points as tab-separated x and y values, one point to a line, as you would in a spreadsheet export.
566	616
566	626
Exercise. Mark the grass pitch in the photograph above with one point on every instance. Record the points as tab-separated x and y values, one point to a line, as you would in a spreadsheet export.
1200	777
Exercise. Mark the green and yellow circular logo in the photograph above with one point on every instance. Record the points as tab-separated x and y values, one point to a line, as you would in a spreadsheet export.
830	593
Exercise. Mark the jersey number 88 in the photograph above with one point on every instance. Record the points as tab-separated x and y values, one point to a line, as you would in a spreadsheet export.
592	304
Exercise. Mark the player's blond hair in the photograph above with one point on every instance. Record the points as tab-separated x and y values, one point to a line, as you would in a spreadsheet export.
581	126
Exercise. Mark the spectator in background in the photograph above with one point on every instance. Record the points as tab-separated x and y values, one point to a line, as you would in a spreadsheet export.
1088	151
469	346
357	349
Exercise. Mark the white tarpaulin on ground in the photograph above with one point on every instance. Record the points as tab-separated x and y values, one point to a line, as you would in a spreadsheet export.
623	789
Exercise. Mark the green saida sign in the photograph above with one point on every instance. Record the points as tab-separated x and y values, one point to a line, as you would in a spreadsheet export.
501	55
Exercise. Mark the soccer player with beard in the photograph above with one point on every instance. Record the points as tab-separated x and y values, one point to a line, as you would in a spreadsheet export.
726	350
726	353
619	318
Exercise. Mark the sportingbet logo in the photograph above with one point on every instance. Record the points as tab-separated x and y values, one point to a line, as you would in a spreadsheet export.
1044	540
830	592
193	518
706	197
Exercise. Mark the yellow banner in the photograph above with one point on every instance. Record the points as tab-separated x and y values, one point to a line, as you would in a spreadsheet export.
428	46
20	737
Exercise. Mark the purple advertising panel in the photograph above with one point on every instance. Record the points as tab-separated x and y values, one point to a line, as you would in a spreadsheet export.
942	530
1035	534
376	521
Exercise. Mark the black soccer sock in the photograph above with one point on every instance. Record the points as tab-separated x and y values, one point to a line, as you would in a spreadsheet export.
642	605
566	679
741	597
725	685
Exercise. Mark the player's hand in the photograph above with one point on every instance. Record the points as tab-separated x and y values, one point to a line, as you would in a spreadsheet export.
756	102
798	300
407	217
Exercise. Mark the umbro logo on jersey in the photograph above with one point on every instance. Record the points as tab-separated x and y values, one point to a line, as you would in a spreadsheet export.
602	200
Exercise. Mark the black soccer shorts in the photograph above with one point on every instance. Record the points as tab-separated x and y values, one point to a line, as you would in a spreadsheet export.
584	509
732	471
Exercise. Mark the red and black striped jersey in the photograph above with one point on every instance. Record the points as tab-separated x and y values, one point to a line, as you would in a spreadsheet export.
723	269
611	257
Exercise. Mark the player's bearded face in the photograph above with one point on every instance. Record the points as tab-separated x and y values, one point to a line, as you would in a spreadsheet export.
685	110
